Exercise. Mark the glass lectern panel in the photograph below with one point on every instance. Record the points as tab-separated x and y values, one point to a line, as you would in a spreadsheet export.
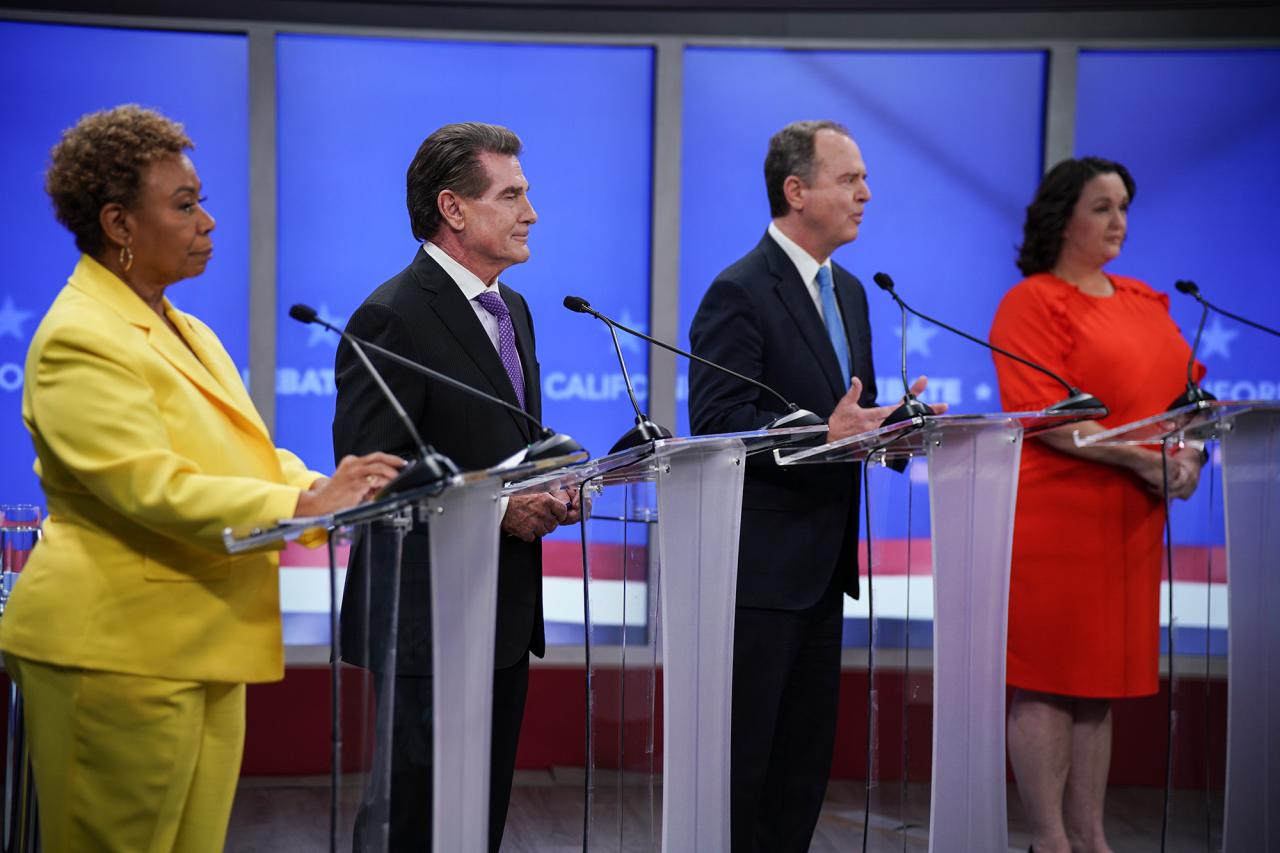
660	572
1248	433
434	548
622	658
1201	421
910	438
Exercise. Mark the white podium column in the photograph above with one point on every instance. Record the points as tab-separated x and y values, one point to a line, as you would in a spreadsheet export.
699	514
464	526
973	484
1251	495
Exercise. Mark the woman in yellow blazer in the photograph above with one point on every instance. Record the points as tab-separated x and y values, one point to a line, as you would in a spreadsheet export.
132	633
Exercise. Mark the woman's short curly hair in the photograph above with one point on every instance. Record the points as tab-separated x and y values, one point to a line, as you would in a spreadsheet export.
101	160
1051	209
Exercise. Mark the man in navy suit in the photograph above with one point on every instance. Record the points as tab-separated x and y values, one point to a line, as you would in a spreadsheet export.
787	316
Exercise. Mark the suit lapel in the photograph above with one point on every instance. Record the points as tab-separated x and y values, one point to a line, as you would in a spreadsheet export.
799	304
223	371
99	283
460	319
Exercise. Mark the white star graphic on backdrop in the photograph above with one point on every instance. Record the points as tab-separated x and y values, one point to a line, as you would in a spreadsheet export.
918	336
321	335
982	391
1216	339
11	319
629	343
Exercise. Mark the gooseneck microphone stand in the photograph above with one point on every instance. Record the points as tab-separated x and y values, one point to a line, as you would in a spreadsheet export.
1076	399
912	406
1191	289
1194	393
645	429
550	444
794	417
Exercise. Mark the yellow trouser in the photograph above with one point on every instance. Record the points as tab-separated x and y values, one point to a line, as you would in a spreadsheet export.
130	764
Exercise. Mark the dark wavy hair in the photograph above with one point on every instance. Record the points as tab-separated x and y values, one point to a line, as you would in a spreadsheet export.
100	161
1051	209
791	152
449	159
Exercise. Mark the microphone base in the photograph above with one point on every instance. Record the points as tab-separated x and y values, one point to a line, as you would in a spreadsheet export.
550	446
1078	400
1194	394
645	430
795	418
417	473
911	408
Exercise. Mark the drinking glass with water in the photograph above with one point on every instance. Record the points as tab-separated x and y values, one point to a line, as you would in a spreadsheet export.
19	532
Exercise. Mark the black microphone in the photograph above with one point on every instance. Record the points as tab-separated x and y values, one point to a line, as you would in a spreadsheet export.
912	406
645	429
1076	399
430	466
549	445
795	416
1195	394
1190	288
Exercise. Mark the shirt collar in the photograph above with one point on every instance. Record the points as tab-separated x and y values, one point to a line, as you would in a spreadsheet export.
805	263
468	282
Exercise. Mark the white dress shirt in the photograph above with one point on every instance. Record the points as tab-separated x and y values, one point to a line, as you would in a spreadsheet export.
471	286
806	265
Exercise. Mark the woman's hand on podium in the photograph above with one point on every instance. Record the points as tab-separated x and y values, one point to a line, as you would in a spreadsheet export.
1183	471
356	479
1189	461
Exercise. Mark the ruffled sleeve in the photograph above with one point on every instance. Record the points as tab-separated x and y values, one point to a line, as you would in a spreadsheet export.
1033	321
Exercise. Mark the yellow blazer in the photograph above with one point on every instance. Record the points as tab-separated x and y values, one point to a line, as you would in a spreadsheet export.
145	453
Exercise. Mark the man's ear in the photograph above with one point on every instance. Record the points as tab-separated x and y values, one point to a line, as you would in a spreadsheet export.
450	207
793	191
114	221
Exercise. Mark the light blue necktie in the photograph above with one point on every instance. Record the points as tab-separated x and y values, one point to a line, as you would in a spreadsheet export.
835	328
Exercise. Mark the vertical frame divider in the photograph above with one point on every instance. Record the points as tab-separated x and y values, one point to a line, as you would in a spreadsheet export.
262	221
664	248
1060	104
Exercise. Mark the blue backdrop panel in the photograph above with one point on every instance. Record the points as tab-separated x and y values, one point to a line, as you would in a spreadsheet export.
352	114
53	75
952	146
1200	132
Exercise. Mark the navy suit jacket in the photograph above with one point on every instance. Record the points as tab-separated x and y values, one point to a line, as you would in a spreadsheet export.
421	314
799	524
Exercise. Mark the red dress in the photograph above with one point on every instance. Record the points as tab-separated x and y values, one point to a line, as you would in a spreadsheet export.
1088	538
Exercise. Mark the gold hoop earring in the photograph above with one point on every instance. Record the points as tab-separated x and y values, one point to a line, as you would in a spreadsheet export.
126	258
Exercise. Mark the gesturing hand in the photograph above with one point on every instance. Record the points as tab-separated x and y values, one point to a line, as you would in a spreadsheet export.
850	418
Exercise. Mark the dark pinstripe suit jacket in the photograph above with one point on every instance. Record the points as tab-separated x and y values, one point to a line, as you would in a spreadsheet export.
422	314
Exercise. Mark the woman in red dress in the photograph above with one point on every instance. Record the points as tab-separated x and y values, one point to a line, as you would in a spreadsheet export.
1087	544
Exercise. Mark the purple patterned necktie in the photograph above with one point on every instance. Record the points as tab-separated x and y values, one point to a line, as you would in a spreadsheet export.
492	302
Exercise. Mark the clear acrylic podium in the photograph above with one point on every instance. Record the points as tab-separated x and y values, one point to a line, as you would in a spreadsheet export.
462	513
678	503
1249	433
973	484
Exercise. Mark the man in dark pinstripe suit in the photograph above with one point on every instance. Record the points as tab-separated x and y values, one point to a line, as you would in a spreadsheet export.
468	204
